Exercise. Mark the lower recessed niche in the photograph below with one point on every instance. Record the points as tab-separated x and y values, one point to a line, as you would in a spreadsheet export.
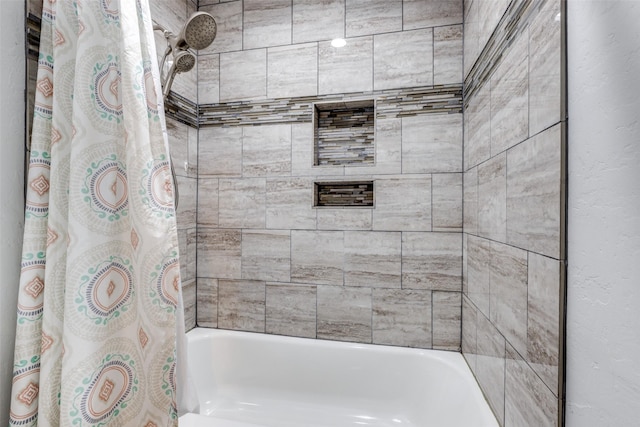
344	133
344	194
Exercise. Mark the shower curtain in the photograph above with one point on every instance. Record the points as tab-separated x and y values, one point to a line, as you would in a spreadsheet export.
100	277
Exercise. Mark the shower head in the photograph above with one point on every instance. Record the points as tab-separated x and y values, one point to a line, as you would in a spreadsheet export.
183	61
198	32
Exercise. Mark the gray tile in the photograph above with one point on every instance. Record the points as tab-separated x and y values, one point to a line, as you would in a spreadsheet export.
545	68
490	365
477	128
241	305
447	312
228	16
317	257
191	254
403	204
219	253
432	143
192	161
346	69
365	17
510	98
534	193
447	201
243	75
447	55
266	150
292	70
187	192
242	203
479	272
528	401
489	14
402	317
470	205
266	255
492	198
220	151
344	219
208	202
431	13
469	333
471	34
178	145
508	294
189	301
266	23
291	310
543	338
344	314
403	59
207	302
465	264
372	259
289	203
208	79
314	20
431	261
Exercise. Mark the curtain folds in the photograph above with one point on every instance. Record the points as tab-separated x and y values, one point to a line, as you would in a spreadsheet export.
100	280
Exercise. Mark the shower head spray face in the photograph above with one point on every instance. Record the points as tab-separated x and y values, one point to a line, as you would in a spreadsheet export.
199	31
183	61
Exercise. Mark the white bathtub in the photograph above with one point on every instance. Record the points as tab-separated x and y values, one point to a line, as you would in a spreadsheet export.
249	380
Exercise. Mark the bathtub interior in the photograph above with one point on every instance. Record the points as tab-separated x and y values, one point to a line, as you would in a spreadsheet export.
246	379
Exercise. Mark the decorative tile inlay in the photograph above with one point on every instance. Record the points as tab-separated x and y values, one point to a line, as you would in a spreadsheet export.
389	104
349	194
344	133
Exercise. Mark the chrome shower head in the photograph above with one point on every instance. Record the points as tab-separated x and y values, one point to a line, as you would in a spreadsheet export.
198	32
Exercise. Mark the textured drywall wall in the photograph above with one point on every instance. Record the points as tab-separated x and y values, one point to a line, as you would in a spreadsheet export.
11	183
603	318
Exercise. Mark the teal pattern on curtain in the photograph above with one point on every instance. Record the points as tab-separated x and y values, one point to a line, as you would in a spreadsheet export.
100	274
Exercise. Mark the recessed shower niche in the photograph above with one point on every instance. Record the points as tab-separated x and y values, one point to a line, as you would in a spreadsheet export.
344	133
344	194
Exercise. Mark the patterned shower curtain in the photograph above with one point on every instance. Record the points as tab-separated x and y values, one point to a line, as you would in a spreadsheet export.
100	275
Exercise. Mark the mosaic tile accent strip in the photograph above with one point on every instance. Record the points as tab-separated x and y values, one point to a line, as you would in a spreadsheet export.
344	133
389	104
515	20
181	109
348	194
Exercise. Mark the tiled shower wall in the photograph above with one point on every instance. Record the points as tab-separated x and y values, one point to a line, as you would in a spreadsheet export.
514	185
171	14
268	260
